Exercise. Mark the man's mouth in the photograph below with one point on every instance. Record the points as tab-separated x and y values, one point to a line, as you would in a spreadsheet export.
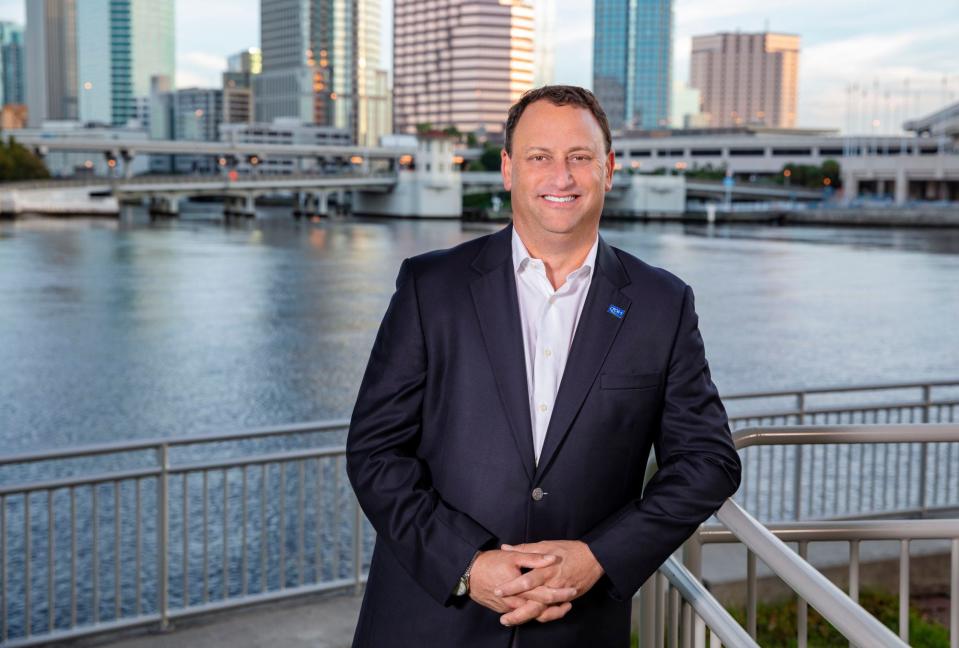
559	199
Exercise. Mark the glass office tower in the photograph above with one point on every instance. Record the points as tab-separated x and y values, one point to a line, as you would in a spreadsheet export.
632	61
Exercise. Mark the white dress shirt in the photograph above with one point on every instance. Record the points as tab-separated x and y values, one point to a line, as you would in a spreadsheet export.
548	318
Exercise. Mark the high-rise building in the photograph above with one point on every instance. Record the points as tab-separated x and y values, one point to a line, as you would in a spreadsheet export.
120	45
747	78
316	58
460	63
632	63
544	42
249	61
238	104
11	64
51	70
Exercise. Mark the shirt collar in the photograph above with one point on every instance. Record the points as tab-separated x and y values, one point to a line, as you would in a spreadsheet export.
521	256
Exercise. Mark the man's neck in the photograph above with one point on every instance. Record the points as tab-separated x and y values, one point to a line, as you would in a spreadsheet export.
560	254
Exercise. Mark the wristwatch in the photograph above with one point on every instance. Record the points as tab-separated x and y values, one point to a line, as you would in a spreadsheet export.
463	586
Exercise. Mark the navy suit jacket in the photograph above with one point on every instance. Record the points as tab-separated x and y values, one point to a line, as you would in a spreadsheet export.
440	447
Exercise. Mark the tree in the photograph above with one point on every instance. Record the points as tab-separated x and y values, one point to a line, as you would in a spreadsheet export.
490	159
18	163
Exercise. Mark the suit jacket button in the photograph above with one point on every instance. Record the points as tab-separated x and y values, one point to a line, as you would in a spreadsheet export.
538	494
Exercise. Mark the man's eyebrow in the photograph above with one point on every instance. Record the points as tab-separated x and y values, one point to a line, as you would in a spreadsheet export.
581	147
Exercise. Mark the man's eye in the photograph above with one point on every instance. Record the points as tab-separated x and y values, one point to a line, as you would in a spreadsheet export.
537	158
581	158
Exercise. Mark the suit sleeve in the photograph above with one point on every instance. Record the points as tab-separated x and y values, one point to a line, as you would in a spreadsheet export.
698	469
432	541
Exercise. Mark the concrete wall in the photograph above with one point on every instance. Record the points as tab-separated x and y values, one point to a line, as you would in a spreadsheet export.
646	195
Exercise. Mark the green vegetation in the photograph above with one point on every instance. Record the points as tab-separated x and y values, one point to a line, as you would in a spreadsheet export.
18	163
811	175
776	623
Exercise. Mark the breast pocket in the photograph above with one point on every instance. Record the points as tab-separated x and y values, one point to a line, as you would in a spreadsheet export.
629	381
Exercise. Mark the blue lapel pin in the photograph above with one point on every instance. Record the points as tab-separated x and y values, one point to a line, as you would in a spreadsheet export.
616	311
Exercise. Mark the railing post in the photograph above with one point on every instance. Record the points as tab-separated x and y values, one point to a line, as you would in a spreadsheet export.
693	555
797	482
647	613
924	454
163	515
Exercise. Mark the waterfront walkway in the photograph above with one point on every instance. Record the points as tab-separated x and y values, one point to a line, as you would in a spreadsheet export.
325	621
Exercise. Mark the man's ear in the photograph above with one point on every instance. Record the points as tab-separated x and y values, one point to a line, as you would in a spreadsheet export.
506	169
610	169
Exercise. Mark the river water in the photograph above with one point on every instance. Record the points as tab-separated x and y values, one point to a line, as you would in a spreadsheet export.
117	330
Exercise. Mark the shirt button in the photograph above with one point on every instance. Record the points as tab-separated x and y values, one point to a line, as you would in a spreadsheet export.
542	407
537	494
547	353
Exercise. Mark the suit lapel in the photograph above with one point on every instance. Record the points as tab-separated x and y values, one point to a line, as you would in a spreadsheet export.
497	307
595	332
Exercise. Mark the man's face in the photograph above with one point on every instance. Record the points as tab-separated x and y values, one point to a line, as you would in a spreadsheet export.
559	172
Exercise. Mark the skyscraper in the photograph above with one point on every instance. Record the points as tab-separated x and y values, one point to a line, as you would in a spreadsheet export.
11	64
632	63
238	105
316	54
747	78
460	63
121	44
51	47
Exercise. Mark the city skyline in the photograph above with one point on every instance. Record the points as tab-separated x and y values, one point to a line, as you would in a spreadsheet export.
857	45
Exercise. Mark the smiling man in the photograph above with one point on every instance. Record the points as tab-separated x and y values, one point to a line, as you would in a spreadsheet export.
513	394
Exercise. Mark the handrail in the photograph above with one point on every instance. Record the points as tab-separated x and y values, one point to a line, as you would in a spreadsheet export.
842	389
152	443
823	434
719	621
857	625
843	531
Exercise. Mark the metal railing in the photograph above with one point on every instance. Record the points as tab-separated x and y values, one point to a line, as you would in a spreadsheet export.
680	611
116	535
801	481
151	531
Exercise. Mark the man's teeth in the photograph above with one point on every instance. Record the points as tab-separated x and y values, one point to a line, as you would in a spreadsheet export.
560	199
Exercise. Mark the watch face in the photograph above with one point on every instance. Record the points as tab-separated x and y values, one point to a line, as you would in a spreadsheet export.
461	587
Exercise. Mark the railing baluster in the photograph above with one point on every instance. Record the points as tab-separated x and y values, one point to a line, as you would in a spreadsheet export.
301	526
659	610
136	540
95	526
318	517
186	541
953	596
51	537
206	536
686	634
73	556
163	514
117	598
26	563
243	548
3	569
904	590
337	531
357	546
751	593
673	618
802	610
849	473
263	531
854	570
282	525
758	451
797	482
226	534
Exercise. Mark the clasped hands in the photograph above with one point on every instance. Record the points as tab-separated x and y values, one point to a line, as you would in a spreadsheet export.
559	572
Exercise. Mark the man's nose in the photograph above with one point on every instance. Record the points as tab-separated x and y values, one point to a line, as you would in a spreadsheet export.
562	175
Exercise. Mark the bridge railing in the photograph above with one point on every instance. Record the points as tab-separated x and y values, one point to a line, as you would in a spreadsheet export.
113	536
116	535
796	480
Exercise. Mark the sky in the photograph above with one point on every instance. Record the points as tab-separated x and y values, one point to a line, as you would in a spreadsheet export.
870	43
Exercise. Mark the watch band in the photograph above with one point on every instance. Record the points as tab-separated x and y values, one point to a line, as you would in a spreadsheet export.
463	586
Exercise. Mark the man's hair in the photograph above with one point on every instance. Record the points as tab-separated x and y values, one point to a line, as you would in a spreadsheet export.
558	95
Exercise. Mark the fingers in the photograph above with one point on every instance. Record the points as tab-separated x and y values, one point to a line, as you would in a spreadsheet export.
551	595
522	583
554	612
526	612
533	561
